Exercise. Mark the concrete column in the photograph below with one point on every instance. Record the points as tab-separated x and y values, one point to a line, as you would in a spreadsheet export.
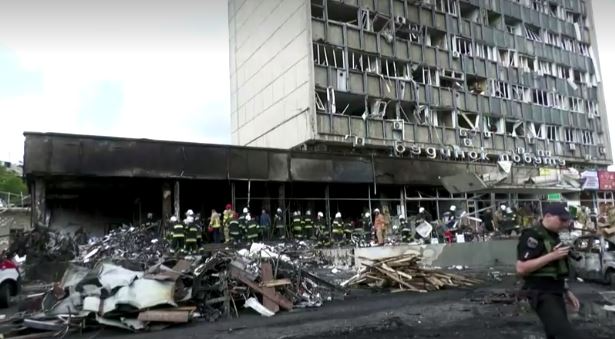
39	203
176	205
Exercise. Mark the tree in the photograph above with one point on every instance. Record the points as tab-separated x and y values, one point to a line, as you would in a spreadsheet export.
11	182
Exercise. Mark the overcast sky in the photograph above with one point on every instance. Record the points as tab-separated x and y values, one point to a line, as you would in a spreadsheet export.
135	68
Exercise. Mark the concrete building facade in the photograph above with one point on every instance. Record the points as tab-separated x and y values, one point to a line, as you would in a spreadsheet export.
508	78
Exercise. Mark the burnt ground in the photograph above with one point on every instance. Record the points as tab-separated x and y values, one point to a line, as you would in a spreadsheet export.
367	314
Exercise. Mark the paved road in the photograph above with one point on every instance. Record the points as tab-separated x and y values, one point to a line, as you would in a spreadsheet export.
444	314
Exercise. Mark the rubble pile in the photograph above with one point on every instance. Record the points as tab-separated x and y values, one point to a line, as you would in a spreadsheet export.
135	244
403	273
43	243
107	287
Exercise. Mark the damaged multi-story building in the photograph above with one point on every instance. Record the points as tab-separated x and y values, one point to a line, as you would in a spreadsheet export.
472	81
351	105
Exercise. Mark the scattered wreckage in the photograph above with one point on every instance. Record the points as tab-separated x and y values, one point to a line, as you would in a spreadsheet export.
127	280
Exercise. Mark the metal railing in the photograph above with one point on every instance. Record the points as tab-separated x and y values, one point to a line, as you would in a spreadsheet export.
12	200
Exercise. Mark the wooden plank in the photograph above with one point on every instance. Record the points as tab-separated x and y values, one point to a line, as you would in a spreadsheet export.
274	283
275	297
267	276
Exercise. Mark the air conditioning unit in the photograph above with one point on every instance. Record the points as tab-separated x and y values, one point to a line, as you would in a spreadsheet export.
467	142
487	134
590	115
456	54
588	157
358	141
463	133
531	141
400	20
572	147
602	150
398	125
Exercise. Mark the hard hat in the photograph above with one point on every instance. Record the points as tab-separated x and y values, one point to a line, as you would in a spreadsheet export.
189	212
508	210
173	219
190	219
367	214
421	209
308	212
279	210
376	211
248	217
402	217
229	206
453	207
503	207
150	215
245	210
338	215
320	214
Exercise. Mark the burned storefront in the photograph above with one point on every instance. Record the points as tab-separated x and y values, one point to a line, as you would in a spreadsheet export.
100	182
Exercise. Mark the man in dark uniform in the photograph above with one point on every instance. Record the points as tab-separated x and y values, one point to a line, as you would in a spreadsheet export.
542	262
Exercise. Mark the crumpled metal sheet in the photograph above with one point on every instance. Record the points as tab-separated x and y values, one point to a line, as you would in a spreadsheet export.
258	307
112	276
142	294
123	323
73	275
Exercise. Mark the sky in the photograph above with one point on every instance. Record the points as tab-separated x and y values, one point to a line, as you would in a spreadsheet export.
154	69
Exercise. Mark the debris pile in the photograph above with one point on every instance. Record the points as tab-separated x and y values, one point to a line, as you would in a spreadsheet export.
123	289
403	273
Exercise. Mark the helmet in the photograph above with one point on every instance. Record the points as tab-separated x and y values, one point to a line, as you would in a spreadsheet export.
421	209
320	214
376	211
189	213
453	208
503	207
173	219
189	219
279	210
150	215
229	206
367	214
508	210
248	217
338	215
402	217
308	212
245	210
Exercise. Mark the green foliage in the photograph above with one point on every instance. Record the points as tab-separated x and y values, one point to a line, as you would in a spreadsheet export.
10	182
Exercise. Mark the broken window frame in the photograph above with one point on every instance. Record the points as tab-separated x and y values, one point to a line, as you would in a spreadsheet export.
494	125
520	93
463	46
532	34
576	105
322	56
552	132
508	57
541	98
587	137
515	125
593	108
468	124
447	6
500	89
570	135
438	122
527	64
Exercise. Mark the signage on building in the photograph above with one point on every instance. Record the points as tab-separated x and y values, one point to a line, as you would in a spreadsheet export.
519	156
607	180
589	181
554	197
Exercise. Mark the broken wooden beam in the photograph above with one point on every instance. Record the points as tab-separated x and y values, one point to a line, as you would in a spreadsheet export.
275	297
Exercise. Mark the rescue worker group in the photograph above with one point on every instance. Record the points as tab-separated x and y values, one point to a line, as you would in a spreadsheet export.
189	235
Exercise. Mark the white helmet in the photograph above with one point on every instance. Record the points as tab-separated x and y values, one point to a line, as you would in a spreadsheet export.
503	207
150	215
376	211
189	213
248	217
320	214
421	209
245	210
338	215
508	210
308	212
279	210
453	208
173	219
402	217
189	220
367	214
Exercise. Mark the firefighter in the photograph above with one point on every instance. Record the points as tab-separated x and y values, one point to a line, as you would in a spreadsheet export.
227	216
380	226
406	230
423	216
297	226
308	226
498	218
324	236
252	229
348	228
234	230
337	229
178	235
192	234
367	223
243	224
214	223
278	222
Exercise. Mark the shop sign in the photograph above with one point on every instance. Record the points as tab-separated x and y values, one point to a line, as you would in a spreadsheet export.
554	197
518	157
606	180
589	181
